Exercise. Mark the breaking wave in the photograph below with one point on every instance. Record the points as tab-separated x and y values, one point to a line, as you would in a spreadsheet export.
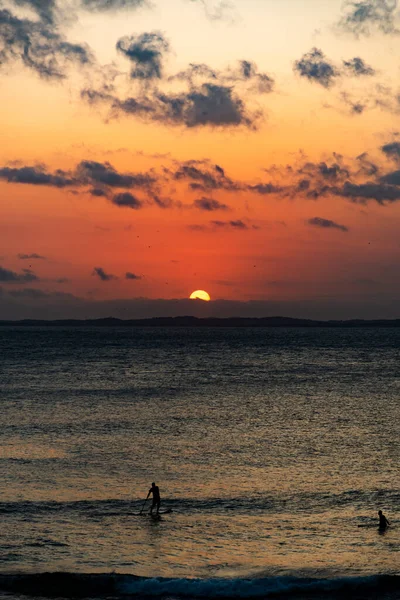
76	585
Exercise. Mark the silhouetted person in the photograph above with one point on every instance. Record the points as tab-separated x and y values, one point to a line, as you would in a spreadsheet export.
383	522
155	490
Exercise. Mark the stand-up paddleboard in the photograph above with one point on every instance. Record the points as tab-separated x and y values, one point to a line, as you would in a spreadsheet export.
167	511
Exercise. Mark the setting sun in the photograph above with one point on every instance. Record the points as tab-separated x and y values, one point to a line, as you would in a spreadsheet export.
200	295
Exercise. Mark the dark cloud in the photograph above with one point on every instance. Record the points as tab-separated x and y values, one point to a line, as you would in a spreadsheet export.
146	53
264	189
238	224
45	9
326	224
98	193
63	280
132	276
37	176
203	175
126	200
245	72
207	105
38	46
214	98
215	225
111	5
365	16
366	165
359	180
93	172
392	178
392	150
214	105
163	202
102	176
8	276
380	192
357	67
316	67
101	274
317	179
196	71
32	256
210	205
328	172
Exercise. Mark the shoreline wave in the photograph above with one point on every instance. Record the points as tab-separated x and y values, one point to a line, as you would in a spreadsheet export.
77	585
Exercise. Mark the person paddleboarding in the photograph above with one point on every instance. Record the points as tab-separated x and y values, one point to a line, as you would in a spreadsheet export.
383	522
155	492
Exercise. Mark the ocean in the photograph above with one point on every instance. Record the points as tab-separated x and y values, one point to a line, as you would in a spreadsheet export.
273	450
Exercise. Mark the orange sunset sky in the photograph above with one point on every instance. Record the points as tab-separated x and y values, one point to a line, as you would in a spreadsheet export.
248	148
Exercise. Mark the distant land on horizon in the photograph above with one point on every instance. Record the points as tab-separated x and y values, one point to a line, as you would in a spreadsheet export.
188	321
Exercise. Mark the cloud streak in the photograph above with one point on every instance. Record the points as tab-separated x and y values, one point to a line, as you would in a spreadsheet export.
326	224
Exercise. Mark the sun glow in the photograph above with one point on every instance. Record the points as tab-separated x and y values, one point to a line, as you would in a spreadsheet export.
200	295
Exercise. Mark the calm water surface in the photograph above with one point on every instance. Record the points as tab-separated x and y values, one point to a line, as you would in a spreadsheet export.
274	448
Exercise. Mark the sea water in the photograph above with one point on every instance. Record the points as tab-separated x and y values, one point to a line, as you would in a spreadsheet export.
274	449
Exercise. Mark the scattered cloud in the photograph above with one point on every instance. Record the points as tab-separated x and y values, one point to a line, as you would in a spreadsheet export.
146	53
37	175
210	205
208	105
326	224
112	5
8	276
358	67
37	44
358	179
102	176
380	192
97	173
132	276
265	189
98	193
392	150
314	66
363	17
32	256
45	9
238	224
127	200
212	98
101	274
392	178
216	11
203	175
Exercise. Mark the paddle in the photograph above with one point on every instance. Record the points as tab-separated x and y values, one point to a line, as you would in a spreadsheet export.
144	504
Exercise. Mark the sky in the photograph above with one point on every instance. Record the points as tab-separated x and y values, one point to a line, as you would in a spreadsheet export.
249	148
